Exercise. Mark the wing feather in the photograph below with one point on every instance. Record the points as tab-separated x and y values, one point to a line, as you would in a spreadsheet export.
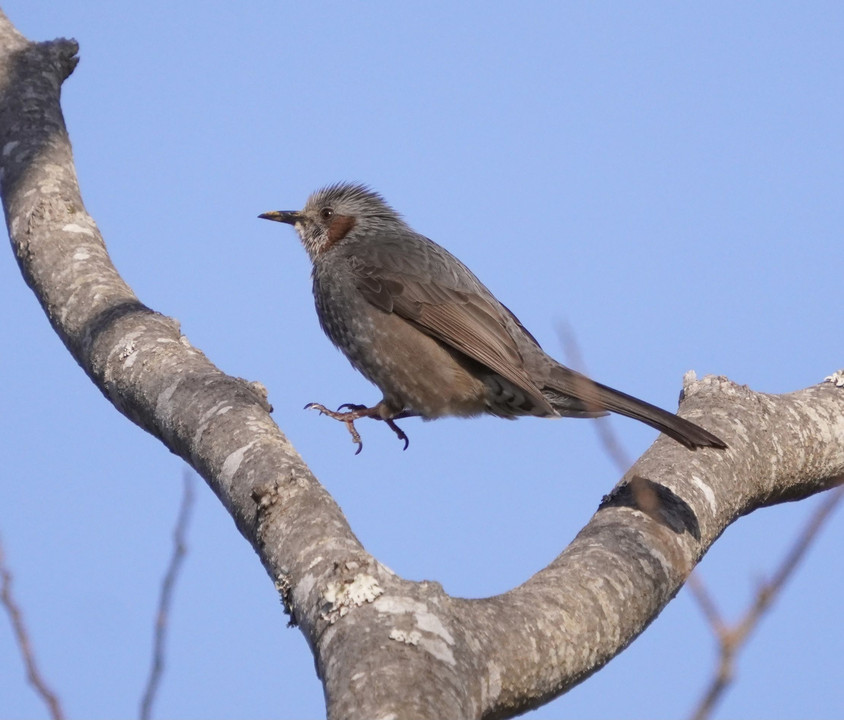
458	311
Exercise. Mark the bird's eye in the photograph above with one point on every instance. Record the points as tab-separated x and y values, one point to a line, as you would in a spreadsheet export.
326	213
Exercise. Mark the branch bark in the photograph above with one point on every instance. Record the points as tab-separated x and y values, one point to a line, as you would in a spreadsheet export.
376	636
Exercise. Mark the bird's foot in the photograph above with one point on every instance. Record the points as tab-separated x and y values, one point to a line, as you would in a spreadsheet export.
345	417
355	412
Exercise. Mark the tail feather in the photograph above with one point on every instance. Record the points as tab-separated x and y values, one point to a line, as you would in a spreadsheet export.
575	395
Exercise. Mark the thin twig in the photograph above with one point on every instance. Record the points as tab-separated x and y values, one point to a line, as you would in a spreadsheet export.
607	436
22	636
707	604
165	599
732	638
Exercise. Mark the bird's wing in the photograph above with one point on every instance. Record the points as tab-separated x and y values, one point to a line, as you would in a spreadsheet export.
446	301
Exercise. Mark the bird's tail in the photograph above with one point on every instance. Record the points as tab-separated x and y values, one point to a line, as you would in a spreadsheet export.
575	395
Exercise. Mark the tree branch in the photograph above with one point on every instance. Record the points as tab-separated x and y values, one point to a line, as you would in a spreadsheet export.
376	636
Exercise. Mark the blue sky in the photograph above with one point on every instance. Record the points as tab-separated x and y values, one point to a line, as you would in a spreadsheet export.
663	179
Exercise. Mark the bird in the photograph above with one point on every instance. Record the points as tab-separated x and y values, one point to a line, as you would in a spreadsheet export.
418	324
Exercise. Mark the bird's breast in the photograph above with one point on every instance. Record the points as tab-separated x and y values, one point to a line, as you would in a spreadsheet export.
415	372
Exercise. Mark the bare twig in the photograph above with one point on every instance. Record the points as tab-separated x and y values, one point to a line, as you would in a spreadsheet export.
165	599
732	637
607	436
707	604
22	636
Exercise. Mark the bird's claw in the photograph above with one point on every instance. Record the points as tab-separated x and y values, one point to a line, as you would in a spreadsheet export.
399	433
353	407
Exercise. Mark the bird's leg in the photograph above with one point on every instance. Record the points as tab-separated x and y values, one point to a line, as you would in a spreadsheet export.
355	412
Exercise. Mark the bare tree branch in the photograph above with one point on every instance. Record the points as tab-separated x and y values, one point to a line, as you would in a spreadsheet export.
383	645
165	600
33	675
731	638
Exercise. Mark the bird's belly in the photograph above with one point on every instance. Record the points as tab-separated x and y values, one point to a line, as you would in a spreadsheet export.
416	373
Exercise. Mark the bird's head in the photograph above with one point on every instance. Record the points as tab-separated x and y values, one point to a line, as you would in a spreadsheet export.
335	213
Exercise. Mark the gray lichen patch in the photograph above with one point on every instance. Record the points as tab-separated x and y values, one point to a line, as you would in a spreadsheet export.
341	597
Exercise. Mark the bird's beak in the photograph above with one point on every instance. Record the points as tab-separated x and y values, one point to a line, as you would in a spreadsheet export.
291	217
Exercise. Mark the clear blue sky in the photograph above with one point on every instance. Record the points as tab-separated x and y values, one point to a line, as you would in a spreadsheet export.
665	178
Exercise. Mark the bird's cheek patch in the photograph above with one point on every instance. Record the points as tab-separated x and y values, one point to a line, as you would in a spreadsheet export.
339	228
